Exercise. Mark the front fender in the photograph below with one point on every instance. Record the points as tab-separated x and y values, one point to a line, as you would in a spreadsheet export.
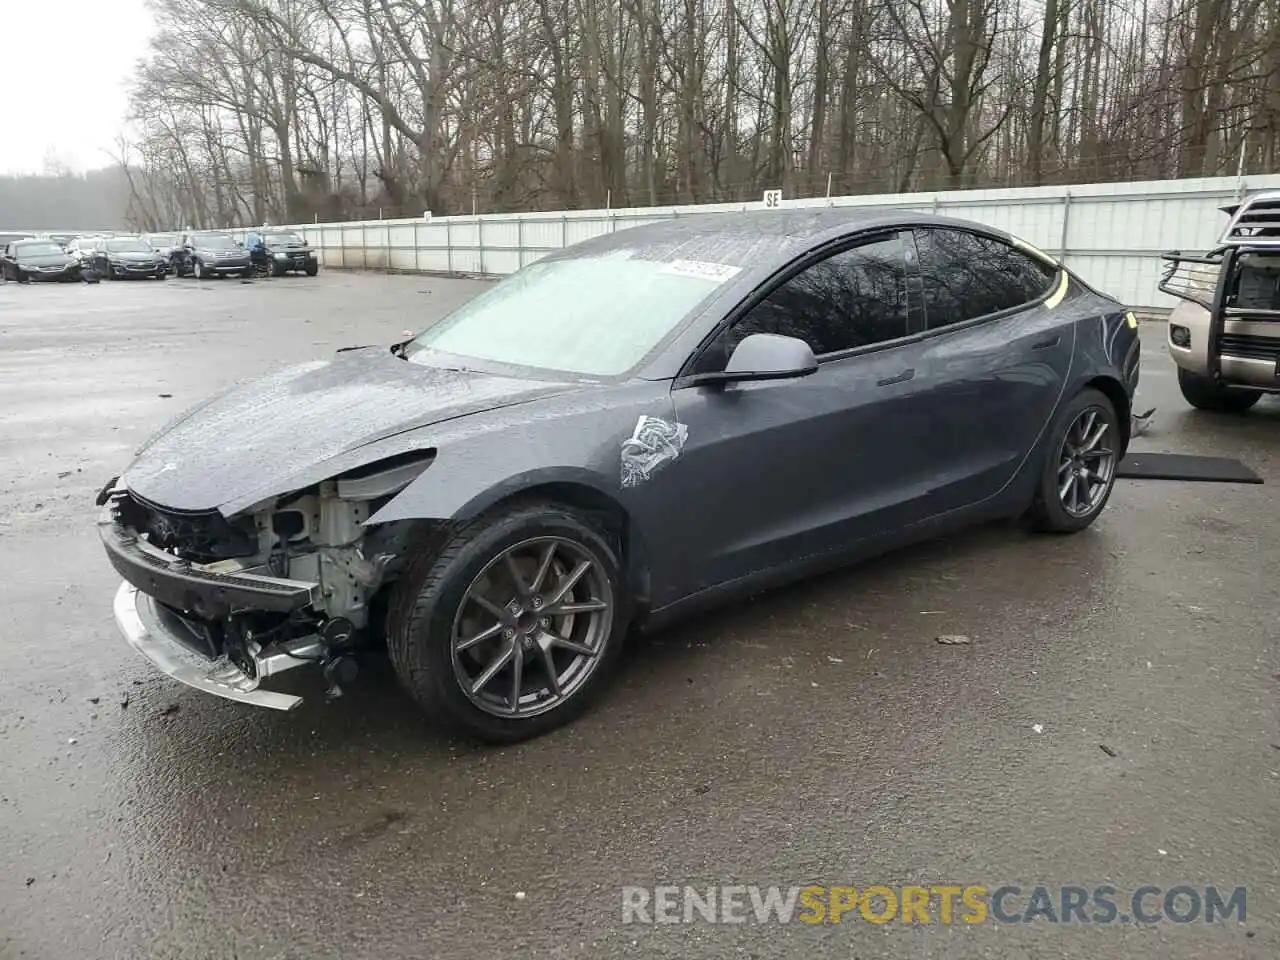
576	440
448	491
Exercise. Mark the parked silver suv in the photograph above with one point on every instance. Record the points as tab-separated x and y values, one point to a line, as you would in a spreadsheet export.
1224	335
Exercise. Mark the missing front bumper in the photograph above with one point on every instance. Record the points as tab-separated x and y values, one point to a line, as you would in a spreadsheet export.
144	625
197	587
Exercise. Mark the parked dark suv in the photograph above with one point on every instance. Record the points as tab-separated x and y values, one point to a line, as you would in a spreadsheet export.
212	253
279	252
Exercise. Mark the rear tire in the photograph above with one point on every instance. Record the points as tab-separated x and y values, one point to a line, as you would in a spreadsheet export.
434	611
1204	394
1079	471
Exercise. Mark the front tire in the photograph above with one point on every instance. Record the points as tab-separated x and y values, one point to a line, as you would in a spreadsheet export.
312	269
197	269
510	626
1204	394
1079	470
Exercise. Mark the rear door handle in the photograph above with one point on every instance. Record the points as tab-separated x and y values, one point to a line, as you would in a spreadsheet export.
903	377
1047	342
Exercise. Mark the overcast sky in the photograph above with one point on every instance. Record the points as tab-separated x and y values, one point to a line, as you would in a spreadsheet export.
66	64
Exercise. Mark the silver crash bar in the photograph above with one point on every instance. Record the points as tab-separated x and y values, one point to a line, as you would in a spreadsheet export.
142	626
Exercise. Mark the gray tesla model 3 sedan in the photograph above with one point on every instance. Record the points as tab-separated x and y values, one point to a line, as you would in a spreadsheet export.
625	431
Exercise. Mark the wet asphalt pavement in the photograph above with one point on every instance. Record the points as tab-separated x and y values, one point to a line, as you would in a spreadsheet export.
816	735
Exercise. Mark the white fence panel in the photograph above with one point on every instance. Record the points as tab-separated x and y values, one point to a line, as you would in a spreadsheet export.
1112	234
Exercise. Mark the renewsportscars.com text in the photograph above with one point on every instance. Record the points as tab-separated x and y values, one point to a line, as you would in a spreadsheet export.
942	904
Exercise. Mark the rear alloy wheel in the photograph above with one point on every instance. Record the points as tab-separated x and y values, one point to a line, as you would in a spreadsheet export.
1079	470
1204	394
507	630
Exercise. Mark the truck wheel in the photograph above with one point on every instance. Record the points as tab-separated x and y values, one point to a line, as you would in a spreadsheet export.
1204	394
509	626
313	269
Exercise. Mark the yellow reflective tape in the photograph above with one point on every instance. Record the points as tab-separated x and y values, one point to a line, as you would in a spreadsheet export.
1056	297
1131	319
1032	249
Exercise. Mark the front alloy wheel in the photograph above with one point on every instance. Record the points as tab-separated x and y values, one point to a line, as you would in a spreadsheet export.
1079	470
507	627
531	627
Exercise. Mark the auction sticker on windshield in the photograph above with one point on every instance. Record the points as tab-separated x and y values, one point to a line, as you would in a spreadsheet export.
702	269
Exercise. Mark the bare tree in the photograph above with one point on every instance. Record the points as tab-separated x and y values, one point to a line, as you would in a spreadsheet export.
251	110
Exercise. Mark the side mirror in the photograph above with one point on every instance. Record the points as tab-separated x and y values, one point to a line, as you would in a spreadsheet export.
764	356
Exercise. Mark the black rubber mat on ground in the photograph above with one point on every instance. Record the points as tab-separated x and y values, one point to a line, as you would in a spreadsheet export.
1177	466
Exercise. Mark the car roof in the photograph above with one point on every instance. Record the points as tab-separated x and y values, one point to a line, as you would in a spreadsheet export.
753	239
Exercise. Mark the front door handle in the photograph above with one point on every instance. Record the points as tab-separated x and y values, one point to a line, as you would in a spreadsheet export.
903	377
1047	342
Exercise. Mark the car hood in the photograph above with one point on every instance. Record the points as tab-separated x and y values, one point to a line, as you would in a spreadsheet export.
46	260
222	252
133	256
255	439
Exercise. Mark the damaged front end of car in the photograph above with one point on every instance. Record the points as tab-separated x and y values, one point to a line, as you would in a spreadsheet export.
222	603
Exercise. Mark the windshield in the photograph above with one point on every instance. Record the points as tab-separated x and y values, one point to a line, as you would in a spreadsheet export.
162	239
283	238
595	316
213	241
41	249
127	246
